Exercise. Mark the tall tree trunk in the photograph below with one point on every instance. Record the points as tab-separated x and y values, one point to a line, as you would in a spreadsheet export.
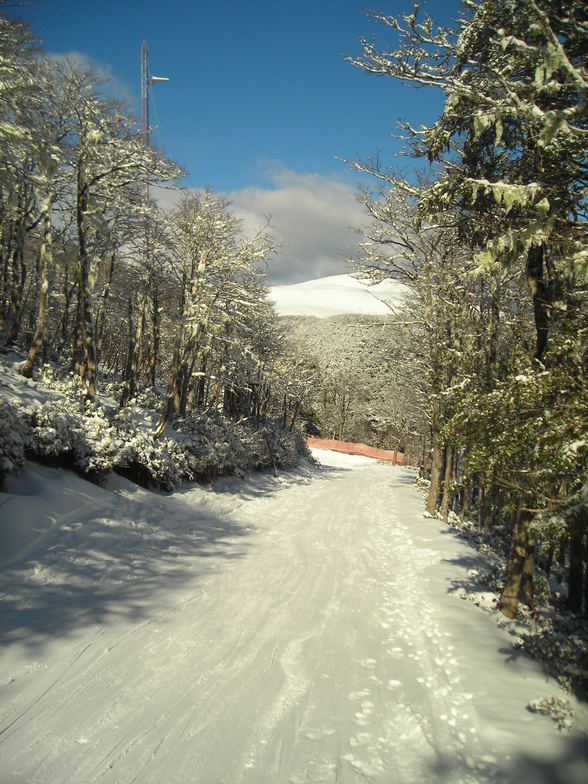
486	507
324	422
527	581
61	334
436	469
138	354
576	575
465	502
202	383
342	415
77	351
4	280
294	415
39	335
19	273
492	342
516	565
540	294
175	387
128	390
447	488
88	367
190	386
100	322
33	296
155	335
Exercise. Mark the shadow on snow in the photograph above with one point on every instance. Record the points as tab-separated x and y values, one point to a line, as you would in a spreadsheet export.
266	485
567	768
113	565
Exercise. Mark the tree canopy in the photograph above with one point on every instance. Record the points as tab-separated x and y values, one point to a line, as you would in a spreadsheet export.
506	201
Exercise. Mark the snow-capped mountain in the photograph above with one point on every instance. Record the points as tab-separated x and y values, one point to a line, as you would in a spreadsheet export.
335	295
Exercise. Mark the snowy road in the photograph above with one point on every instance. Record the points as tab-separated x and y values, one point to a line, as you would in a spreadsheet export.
305	629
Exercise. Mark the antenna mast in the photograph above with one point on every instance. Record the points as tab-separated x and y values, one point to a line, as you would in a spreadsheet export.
146	82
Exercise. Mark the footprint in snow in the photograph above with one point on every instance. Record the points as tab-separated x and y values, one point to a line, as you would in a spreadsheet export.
357	695
319	734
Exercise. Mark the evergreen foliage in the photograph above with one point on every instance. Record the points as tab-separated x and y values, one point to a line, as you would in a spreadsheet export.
494	248
15	437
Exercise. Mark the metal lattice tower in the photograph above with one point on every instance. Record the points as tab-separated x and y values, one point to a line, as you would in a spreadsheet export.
146	82
145	92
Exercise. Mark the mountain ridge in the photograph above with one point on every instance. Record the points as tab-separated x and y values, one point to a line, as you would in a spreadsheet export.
337	295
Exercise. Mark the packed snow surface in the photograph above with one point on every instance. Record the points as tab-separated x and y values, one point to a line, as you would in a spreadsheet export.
335	295
300	629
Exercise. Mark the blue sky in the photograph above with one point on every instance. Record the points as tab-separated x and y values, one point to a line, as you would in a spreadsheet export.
260	102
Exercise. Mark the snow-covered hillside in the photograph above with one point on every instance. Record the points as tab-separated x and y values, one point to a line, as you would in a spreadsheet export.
335	295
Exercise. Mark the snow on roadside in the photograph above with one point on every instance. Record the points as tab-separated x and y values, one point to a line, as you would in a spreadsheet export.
340	459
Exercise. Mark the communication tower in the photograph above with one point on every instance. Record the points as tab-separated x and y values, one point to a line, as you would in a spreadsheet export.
147	81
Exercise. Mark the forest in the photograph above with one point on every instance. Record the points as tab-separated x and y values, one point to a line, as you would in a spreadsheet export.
166	310
114	296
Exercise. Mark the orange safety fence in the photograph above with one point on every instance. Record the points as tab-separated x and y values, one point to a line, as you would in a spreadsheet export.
350	448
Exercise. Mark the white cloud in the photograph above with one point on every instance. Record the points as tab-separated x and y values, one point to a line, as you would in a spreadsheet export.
111	86
312	216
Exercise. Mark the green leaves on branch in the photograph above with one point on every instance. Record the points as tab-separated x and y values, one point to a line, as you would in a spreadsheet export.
530	430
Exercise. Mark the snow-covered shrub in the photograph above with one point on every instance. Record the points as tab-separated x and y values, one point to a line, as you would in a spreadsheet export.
557	708
53	427
86	439
70	385
149	398
15	437
111	389
98	446
278	447
75	432
287	447
423	485
163	464
207	440
257	445
219	446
